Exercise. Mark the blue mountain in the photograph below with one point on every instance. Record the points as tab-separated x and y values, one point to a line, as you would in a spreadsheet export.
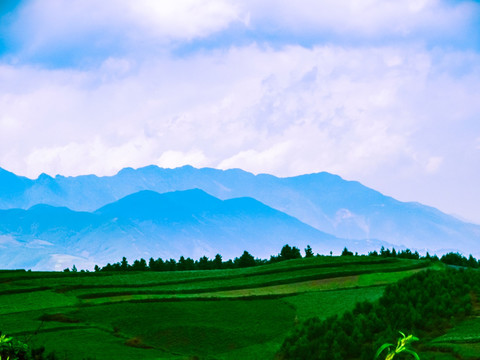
12	187
326	202
148	224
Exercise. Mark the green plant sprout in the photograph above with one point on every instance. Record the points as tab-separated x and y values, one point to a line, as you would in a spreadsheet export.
4	340
402	346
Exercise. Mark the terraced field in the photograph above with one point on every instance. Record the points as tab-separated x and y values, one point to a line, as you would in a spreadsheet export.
221	314
463	339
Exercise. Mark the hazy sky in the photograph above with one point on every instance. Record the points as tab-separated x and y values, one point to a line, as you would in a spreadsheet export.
386	92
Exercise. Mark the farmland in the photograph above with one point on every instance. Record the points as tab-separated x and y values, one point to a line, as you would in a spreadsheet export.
463	339
221	314
437	305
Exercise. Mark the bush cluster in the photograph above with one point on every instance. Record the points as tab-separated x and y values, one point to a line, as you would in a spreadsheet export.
287	253
204	263
14	349
424	303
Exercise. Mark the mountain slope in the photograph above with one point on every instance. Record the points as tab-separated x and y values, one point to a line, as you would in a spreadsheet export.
346	209
148	224
12	188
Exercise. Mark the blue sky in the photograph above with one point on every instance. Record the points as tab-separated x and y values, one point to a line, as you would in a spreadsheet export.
386	92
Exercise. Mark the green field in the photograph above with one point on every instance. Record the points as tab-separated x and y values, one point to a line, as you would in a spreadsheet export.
463	339
217	314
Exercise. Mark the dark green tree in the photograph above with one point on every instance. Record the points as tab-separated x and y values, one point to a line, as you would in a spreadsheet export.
139	265
308	251
472	262
246	260
203	263
171	265
151	264
289	253
181	265
124	264
385	252
217	262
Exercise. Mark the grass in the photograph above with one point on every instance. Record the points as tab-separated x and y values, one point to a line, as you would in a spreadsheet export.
327	303
12	303
194	327
79	343
221	314
462	341
467	331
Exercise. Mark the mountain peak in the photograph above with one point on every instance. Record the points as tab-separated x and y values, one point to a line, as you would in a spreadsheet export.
148	204
44	178
11	184
320	200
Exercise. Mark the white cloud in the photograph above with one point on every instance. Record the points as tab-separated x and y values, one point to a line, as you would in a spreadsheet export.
172	159
433	164
58	262
352	106
38	244
83	28
287	111
367	18
96	156
260	161
7	241
184	19
85	32
9	125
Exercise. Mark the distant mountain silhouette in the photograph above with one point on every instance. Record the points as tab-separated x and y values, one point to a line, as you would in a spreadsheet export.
148	224
345	209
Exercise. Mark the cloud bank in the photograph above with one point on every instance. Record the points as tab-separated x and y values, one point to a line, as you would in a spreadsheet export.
385	92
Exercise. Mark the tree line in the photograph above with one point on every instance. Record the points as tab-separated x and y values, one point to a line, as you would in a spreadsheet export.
451	258
204	263
287	253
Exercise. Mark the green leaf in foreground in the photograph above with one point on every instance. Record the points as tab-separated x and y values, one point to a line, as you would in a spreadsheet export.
402	346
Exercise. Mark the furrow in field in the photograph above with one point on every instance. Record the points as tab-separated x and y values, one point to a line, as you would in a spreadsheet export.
273	291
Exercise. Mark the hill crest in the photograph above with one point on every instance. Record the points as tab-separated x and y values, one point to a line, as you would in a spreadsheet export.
346	209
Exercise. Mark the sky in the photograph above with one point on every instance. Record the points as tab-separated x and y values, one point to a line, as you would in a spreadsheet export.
385	92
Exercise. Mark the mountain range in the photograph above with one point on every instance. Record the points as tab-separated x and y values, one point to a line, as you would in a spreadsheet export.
50	222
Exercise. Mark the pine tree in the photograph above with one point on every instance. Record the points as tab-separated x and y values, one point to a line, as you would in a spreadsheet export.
308	252
124	264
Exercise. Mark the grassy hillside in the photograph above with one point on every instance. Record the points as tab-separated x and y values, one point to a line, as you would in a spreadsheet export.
439	306
463	340
221	314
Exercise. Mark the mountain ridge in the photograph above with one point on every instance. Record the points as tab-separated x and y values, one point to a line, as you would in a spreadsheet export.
147	224
345	209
